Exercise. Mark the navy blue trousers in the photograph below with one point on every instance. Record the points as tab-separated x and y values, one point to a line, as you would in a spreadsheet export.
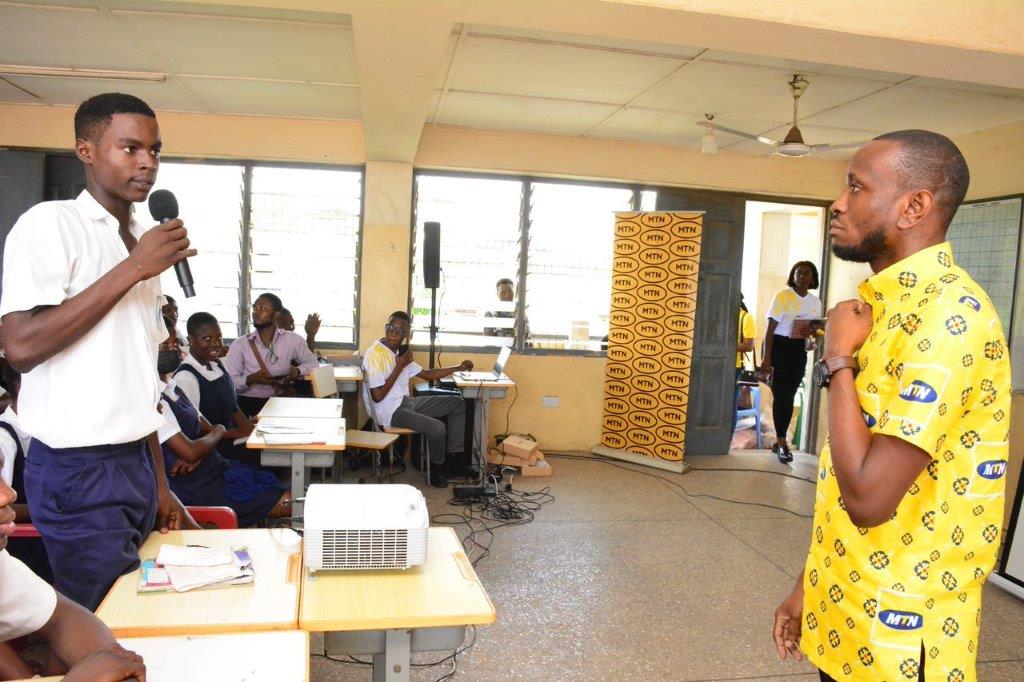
94	507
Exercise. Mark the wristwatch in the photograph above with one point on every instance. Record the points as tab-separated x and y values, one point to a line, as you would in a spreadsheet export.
824	369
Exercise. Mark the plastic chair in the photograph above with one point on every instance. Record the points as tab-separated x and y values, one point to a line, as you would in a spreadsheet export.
753	411
25	530
221	518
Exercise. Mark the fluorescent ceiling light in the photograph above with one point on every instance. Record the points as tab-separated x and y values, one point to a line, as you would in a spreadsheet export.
70	72
708	143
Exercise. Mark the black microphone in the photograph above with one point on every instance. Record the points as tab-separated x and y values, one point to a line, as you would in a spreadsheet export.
164	208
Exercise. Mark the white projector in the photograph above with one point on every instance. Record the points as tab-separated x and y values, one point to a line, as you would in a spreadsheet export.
358	527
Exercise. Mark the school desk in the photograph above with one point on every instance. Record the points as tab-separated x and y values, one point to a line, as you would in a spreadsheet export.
306	408
251	656
271	602
328	437
390	613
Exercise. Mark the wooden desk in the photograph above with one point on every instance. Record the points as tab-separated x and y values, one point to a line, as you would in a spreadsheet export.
328	438
385	612
482	392
253	657
270	603
306	408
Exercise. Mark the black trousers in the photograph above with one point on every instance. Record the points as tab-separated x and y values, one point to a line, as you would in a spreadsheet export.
789	363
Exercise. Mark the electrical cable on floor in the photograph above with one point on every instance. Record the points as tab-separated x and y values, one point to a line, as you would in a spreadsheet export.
481	517
601	459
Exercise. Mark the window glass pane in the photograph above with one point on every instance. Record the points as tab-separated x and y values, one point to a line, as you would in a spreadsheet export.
210	202
305	244
648	200
568	280
480	220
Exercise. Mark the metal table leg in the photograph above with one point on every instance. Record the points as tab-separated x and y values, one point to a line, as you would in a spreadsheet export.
394	664
298	481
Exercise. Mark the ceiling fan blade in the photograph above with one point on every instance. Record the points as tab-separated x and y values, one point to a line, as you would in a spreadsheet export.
830	147
738	133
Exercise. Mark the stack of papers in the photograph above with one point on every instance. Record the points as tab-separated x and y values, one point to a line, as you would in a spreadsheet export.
285	435
191	567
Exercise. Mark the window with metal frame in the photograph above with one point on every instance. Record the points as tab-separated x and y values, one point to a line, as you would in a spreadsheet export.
304	244
481	222
290	230
551	239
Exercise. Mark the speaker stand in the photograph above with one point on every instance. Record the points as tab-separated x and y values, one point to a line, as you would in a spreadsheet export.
433	325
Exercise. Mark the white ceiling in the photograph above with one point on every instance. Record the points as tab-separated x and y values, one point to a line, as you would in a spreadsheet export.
274	62
224	60
544	82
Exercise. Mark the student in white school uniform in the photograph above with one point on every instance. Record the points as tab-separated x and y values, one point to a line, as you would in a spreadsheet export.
81	321
389	368
13	446
79	642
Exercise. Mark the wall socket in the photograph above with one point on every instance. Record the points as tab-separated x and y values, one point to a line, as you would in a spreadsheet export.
550	401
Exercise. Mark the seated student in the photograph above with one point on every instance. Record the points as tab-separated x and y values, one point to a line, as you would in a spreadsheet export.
196	472
286	321
387	376
79	642
170	311
206	383
261	363
13	446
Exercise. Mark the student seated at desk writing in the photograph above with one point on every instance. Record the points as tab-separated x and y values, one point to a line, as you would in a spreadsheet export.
387	376
207	384
79	643
196	471
261	364
13	446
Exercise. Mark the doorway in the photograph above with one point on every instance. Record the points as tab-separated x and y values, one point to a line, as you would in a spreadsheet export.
777	235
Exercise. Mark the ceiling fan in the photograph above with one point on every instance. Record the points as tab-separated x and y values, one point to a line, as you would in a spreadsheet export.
792	145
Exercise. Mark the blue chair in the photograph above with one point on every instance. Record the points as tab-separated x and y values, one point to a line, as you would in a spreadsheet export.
754	411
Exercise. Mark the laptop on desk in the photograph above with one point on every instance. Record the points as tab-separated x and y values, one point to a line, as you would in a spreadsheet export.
495	374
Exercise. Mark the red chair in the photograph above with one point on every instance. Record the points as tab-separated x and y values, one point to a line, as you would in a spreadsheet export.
25	530
221	518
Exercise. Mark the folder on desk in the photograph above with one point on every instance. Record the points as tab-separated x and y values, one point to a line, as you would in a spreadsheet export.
156	577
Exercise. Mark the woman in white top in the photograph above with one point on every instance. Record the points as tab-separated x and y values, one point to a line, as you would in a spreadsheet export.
785	349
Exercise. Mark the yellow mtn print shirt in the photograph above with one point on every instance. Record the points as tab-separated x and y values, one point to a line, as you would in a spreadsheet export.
934	372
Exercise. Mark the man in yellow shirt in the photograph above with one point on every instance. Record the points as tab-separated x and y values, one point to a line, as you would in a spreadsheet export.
909	497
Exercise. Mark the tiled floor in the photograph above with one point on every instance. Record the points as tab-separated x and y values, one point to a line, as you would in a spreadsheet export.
625	577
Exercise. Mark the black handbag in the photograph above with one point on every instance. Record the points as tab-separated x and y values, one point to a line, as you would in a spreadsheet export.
753	377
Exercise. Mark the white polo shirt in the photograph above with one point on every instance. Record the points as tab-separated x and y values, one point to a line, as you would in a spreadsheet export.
103	388
26	601
378	363
9	447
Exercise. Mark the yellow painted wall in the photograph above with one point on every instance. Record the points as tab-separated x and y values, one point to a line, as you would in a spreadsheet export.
263	138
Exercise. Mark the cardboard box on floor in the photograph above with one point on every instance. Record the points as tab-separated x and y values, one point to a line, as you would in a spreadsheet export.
536	465
499	458
517	446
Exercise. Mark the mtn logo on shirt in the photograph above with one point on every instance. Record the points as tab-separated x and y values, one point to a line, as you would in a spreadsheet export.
993	469
901	620
971	302
919	392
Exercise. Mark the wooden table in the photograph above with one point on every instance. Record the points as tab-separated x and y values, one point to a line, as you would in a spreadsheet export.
391	613
270	603
482	392
328	438
252	657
